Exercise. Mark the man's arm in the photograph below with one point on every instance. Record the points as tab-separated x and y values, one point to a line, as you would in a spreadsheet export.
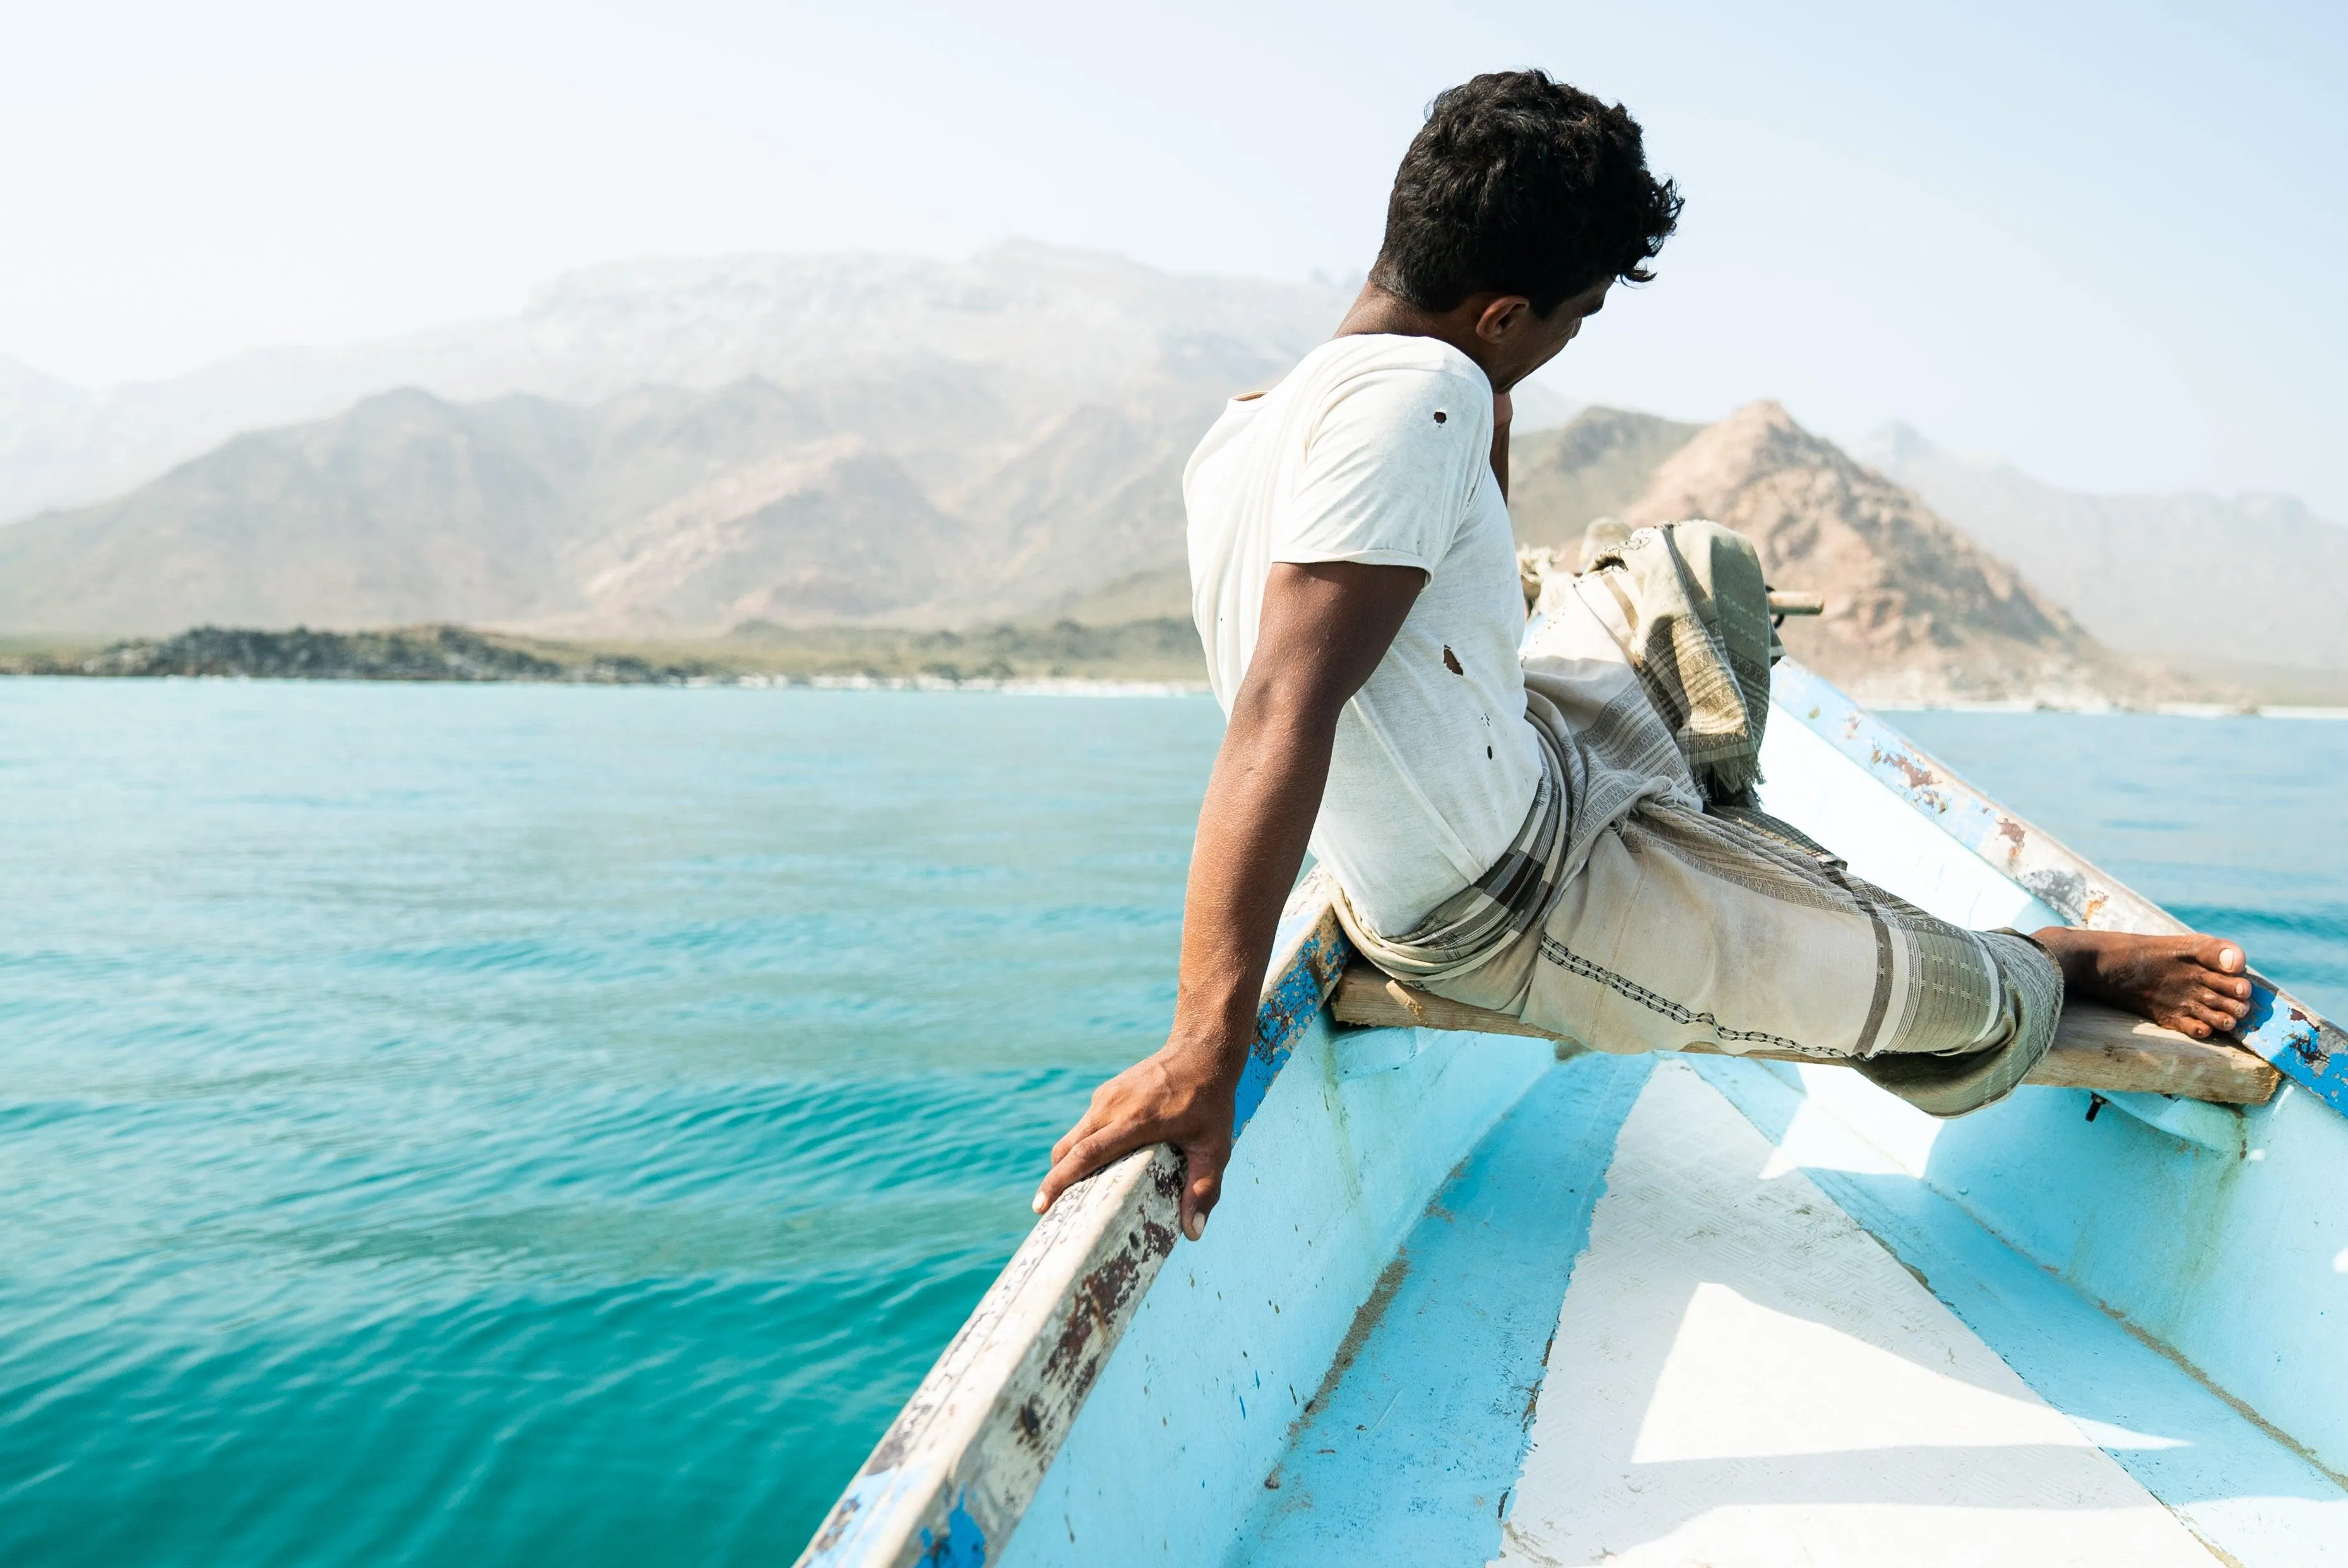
1323	630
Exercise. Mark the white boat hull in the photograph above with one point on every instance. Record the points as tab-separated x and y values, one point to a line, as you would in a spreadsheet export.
1464	1301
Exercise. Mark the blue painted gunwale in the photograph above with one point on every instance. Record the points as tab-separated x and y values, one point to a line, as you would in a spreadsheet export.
2300	1043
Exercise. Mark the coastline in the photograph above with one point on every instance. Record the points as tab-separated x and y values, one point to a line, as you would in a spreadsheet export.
1015	686
1139	656
1146	658
1119	686
1010	686
2104	709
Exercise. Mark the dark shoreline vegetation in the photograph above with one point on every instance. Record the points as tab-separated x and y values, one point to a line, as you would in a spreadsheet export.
1154	649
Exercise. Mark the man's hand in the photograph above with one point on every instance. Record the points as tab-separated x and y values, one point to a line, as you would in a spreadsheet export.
1324	627
1182	1095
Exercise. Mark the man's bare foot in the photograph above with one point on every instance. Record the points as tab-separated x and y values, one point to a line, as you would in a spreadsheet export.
2193	985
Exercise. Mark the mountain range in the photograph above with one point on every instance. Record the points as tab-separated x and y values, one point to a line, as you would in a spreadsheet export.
1043	329
674	449
2254	579
669	514
657	513
660	448
1915	609
2245	586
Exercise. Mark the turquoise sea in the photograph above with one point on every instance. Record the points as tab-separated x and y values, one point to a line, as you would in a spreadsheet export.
522	1125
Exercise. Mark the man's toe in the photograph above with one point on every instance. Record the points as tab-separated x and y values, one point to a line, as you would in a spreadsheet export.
2213	1020
2233	1009
2216	953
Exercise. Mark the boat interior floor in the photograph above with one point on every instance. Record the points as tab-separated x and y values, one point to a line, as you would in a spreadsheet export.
1632	1330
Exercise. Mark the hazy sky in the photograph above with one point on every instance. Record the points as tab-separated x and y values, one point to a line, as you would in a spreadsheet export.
2102	240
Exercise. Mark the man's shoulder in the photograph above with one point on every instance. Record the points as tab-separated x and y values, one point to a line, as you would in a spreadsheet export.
1397	402
1418	400
1360	355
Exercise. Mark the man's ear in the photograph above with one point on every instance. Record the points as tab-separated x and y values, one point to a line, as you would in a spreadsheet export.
1503	318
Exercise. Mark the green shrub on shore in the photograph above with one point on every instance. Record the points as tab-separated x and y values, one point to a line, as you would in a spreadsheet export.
1155	650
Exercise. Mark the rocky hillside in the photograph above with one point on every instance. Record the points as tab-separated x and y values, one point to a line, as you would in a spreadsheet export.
1043	330
920	500
2253	579
1915	609
1596	465
664	448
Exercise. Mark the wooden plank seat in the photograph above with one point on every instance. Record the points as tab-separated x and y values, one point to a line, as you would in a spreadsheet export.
2096	1047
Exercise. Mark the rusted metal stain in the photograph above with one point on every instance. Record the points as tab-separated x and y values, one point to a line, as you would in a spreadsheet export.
1097	1309
2292	1028
836	1525
1076	1333
2310	1050
890	1452
1918	777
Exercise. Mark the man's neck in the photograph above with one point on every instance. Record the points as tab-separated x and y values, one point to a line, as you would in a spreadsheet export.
1374	310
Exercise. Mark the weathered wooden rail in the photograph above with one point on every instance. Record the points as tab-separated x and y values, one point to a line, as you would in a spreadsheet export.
2096	1047
956	1471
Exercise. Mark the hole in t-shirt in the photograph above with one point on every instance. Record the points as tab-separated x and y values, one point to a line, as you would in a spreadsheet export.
1440	416
1488	754
1451	660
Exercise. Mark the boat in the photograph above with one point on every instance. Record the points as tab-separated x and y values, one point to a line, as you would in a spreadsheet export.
1474	1295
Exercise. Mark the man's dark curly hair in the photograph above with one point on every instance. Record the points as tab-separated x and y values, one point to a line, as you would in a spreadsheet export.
1522	185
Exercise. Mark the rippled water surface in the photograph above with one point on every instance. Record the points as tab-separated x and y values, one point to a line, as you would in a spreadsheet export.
527	1125
515	1125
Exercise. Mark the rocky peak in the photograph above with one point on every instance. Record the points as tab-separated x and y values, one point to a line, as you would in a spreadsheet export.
1914	608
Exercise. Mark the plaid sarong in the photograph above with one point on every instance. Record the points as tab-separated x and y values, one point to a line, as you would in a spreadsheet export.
1686	604
1580	795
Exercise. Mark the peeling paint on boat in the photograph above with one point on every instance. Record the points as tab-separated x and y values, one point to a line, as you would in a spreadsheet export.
1292	999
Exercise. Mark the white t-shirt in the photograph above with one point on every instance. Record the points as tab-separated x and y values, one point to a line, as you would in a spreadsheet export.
1379	448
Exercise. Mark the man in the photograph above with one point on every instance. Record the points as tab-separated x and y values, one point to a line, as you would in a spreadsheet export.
1566	837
